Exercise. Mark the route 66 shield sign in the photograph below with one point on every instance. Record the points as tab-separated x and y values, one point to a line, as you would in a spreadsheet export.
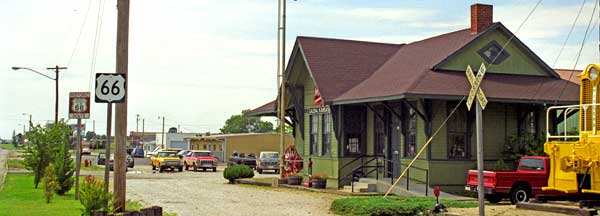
110	88
79	105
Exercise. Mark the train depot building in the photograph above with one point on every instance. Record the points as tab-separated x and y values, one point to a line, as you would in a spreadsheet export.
381	102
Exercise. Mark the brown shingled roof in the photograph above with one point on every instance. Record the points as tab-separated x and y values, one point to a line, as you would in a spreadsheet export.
338	65
264	110
410	72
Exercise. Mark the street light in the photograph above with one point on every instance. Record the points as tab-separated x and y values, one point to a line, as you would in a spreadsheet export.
56	70
30	123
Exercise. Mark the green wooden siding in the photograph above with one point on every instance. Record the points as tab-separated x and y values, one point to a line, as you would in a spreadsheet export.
439	149
519	62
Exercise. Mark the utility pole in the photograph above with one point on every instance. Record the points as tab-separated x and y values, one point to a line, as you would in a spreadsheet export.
94	126
137	120
143	127
163	132
282	106
56	70
121	108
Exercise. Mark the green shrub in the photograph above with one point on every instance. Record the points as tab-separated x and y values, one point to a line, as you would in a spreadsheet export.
50	184
392	205
65	168
92	196
237	171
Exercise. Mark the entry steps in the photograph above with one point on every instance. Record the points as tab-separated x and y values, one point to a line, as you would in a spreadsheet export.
361	187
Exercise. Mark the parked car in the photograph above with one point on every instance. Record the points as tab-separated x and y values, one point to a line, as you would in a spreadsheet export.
129	163
137	152
86	151
267	161
154	152
250	160
129	150
166	159
101	159
198	159
183	153
520	185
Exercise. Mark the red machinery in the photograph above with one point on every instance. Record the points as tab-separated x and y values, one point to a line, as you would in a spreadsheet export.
292	162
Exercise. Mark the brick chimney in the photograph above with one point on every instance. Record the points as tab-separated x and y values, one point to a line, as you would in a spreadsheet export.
481	17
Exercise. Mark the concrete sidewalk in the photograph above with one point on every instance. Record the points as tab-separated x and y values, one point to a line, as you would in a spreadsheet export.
3	166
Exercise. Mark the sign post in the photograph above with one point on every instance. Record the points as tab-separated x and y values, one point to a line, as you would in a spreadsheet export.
476	91
110	88
79	108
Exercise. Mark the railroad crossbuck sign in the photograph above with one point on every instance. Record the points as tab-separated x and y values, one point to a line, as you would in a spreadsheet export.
110	88
79	105
476	90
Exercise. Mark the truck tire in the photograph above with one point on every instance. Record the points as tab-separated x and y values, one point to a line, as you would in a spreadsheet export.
161	169
520	193
214	169
493	198
153	167
259	170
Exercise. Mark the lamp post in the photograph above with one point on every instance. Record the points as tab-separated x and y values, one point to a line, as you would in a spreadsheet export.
30	123
56	70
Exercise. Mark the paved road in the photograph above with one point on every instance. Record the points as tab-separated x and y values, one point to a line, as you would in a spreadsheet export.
207	193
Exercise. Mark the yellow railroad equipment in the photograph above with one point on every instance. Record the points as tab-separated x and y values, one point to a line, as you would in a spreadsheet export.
573	139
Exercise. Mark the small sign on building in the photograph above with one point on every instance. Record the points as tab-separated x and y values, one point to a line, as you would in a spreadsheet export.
79	105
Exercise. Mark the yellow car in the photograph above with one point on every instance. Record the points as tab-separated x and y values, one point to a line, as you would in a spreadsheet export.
166	159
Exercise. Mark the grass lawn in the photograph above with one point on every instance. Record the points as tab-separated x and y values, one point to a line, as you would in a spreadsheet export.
16	164
7	146
18	197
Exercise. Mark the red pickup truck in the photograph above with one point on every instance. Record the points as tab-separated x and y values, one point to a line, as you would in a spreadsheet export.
520	185
200	160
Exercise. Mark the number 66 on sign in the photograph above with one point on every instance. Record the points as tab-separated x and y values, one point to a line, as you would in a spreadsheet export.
110	88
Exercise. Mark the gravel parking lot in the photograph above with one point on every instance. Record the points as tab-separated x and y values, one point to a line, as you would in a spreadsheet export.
207	193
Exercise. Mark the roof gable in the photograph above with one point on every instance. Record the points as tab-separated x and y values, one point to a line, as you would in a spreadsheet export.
338	65
515	59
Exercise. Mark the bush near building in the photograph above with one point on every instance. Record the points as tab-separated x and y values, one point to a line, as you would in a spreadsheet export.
392	205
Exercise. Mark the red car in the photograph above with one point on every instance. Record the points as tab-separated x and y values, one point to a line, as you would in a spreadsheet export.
520	185
200	160
86	151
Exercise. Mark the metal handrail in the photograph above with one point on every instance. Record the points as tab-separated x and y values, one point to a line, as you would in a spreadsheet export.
569	108
362	166
426	178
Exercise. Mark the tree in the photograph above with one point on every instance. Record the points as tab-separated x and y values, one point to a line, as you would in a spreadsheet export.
64	165
43	148
288	129
90	135
50	184
246	124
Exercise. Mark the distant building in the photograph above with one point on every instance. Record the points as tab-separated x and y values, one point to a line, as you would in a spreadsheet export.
223	145
174	140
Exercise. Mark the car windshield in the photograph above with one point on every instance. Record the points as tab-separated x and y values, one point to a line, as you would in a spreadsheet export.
199	154
167	154
532	164
270	155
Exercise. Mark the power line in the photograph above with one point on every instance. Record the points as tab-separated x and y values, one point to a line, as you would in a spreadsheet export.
96	41
569	34
580	49
80	32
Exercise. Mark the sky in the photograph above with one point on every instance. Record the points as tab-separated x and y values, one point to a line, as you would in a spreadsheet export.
197	62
